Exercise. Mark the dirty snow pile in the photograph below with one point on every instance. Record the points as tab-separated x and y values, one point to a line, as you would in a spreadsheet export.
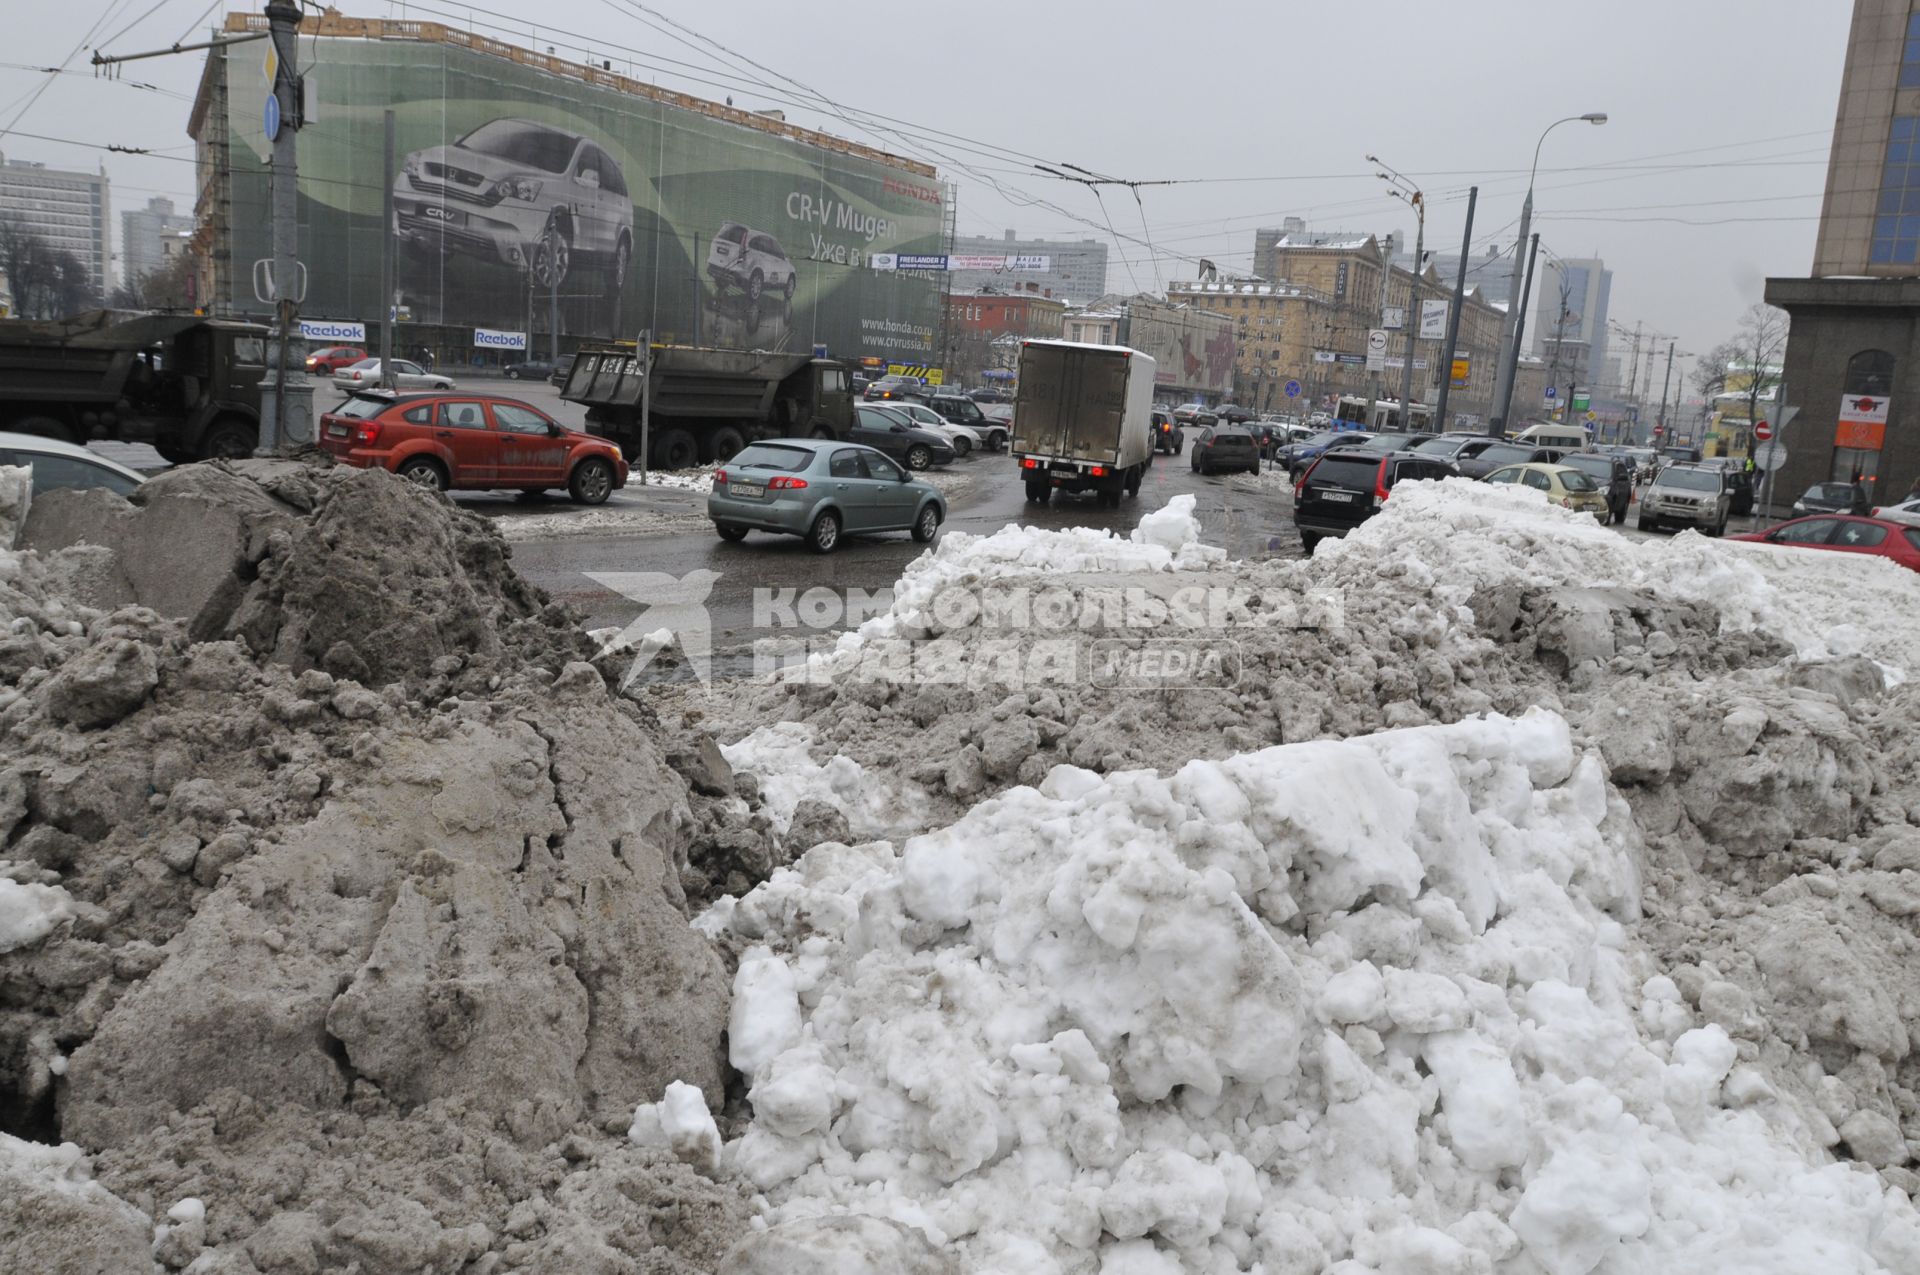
1605	961
1373	1001
1457	536
342	902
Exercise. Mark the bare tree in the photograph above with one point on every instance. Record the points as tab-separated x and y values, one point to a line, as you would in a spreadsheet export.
1749	362
46	283
166	287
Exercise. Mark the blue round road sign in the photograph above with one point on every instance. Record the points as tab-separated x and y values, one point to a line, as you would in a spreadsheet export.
271	117
1293	389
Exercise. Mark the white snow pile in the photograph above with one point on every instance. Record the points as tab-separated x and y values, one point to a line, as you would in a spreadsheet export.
29	910
1358	1006
780	756
1168	539
697	480
1457	536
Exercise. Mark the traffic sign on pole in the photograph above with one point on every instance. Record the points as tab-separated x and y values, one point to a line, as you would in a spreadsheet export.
1293	389
1762	431
1770	457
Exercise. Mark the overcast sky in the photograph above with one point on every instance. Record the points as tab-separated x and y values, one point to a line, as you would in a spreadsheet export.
1706	180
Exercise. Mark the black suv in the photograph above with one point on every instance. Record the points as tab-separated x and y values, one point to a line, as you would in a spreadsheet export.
1614	474
1344	488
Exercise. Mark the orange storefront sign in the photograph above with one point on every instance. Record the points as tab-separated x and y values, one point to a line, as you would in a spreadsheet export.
1865	435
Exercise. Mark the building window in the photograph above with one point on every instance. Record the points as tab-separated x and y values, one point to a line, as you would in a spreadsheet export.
1896	230
1869	372
1910	62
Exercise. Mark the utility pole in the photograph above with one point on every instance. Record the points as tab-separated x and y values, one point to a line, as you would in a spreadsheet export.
286	396
1503	393
1386	277
1666	383
1453	320
392	313
1413	309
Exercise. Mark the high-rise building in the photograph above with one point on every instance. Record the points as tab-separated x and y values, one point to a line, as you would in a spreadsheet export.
1853	355
150	238
67	211
1073	270
1490	276
1570	317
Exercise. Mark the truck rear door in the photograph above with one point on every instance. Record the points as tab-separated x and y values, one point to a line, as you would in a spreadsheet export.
1071	402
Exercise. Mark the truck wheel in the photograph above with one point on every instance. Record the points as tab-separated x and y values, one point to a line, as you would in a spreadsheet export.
232	440
1133	482
927	525
824	535
918	457
724	442
423	471
43	427
674	449
591	482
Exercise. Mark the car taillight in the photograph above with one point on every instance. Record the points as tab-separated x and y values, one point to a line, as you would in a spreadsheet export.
1380	482
1029	463
1099	471
719	475
784	483
366	434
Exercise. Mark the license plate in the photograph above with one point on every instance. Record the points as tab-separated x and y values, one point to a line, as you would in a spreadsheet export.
745	489
336	431
1344	497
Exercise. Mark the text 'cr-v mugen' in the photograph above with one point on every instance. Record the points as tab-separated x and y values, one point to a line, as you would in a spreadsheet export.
524	194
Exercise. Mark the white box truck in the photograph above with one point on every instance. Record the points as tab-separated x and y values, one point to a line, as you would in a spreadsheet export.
1083	419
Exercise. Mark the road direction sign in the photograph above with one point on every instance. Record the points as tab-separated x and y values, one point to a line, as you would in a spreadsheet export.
1770	456
1592	416
270	117
1293	389
1762	431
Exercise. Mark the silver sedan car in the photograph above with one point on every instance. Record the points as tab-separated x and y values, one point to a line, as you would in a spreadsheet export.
365	375
820	490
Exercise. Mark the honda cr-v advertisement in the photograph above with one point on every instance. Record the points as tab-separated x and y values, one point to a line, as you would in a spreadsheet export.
524	199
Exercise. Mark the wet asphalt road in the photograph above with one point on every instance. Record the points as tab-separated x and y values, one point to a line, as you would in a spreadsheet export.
1248	521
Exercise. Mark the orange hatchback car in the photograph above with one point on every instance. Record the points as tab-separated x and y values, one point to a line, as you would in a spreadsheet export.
471	442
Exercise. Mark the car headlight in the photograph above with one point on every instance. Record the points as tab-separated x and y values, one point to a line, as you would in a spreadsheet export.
521	188
411	165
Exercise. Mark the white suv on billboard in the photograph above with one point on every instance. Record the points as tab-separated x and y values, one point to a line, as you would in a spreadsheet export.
751	261
522	193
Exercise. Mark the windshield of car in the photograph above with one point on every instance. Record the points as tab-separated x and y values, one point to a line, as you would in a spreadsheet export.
1690	479
360	407
771	456
1575	480
523	143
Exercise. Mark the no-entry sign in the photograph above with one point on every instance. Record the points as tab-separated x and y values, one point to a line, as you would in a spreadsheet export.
1762	430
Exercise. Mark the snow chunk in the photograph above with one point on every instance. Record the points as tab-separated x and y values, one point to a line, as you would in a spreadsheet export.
28	913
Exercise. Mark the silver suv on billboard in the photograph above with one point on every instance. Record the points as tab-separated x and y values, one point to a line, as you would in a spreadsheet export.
521	193
750	260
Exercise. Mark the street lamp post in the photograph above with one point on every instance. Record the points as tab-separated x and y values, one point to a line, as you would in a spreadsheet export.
1503	386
